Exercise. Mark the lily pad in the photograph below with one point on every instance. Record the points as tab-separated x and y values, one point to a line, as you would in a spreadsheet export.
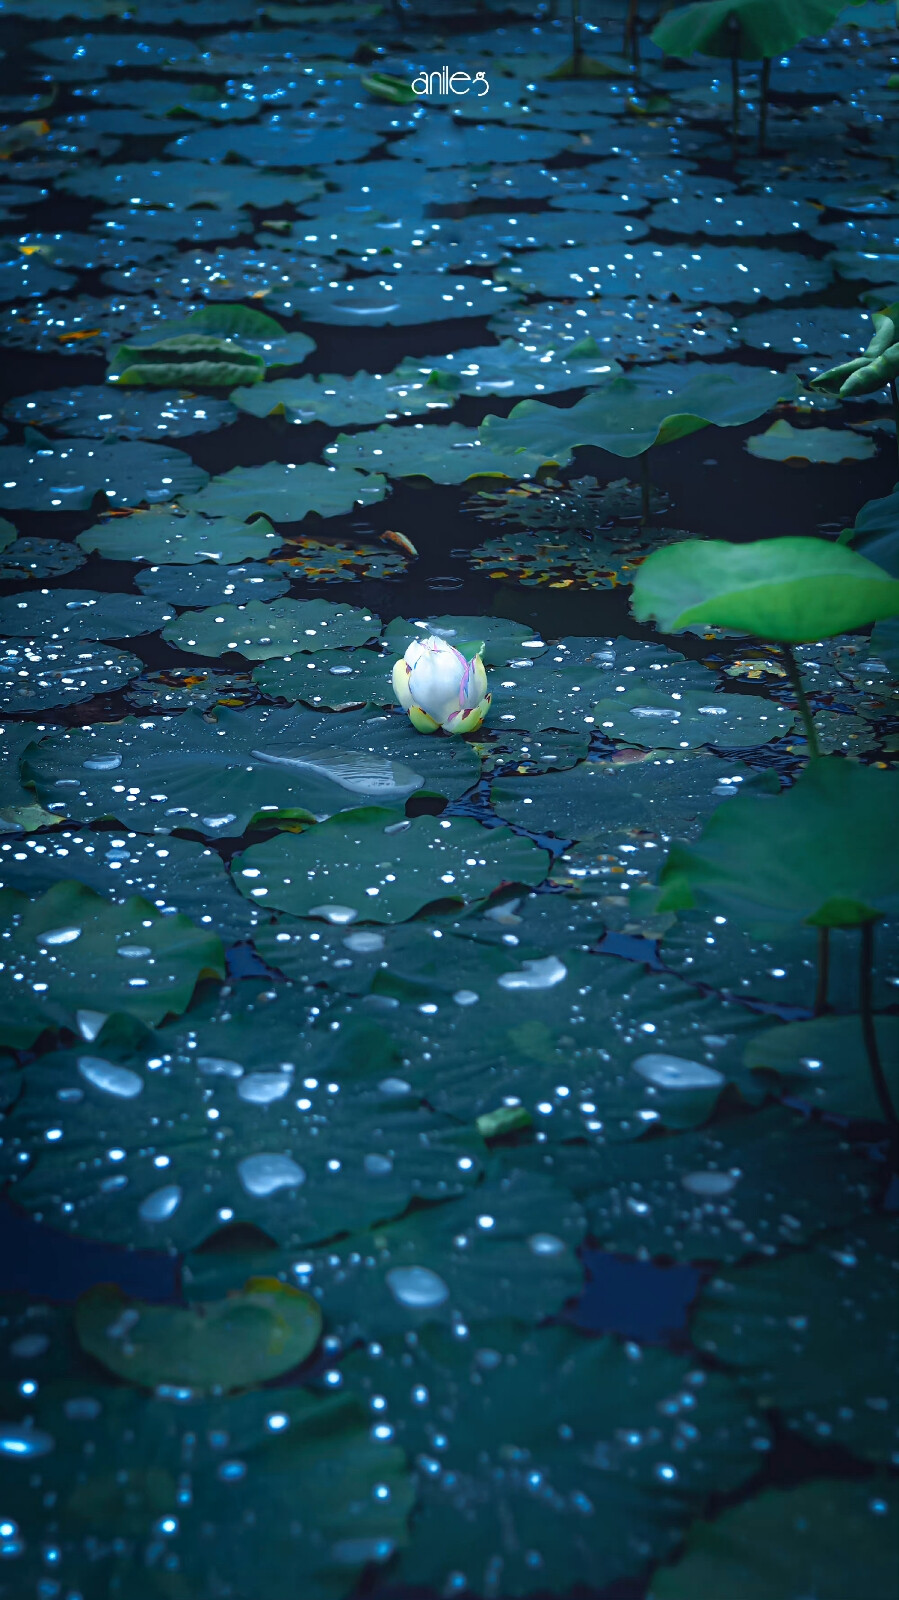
720	275
876	532
68	477
513	368
38	558
826	1538
251	1337
193	360
65	616
247	331
260	629
824	1062
95	412
448	453
336	400
606	1430
197	586
287	493
330	680
643	331
819	853
783	442
168	536
502	640
320	561
361	868
34	675
187	184
61	943
382	302
783	1324
216	776
174	688
679	718
740	216
795	590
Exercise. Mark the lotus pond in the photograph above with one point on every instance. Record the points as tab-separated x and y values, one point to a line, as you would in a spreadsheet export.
449	579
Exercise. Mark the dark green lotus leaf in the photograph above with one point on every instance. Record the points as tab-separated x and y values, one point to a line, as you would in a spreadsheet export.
176	688
650	331
331	680
94	412
503	641
361	868
304	1477
820	853
66	616
629	415
38	558
621	810
511	1240
828	1537
795	590
764	28
254	1335
287	493
787	1326
563	560
260	629
302	1159
680	719
325	561
163	535
174	874
448	453
591	1047
337	400
248	331
825	1063
740	216
513	368
744	1185
197	586
721	275
34	675
828	331
418	297
876	532
68	477
281	142
602	1455
216	776
885	644
194	360
66	951
188	184
830	446
19	810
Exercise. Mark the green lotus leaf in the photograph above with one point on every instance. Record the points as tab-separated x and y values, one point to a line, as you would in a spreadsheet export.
502	640
827	1538
821	852
629	415
203	585
418	297
677	719
790	590
765	1182
876	532
93	411
783	442
303	1476
724	274
38	558
68	477
174	538
249	332
513	1237
194	361
69	615
330	681
287	493
445	453
261	629
825	1063
249	1338
785	1325
761	28
188	184
359	867
648	1475
512	368
336	400
215	776
66	951
34	676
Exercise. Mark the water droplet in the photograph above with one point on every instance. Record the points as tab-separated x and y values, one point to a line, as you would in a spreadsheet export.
219	822
265	1173
261	1088
377	1166
102	763
545	1244
543	974
466	997
710	1184
134	951
395	1086
110	1078
339	915
676	1072
418	1287
18	1442
161	1204
90	1023
355	770
28	1346
364	943
219	1067
59	936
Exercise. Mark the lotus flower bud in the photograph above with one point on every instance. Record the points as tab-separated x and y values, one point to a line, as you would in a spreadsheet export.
441	686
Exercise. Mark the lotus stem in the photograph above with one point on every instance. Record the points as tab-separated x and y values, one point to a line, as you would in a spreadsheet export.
763	103
645	490
823	984
576	50
805	710
735	95
869	1032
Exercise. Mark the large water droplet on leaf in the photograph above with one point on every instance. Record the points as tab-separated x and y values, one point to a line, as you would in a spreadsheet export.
418	1287
676	1072
264	1174
110	1078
